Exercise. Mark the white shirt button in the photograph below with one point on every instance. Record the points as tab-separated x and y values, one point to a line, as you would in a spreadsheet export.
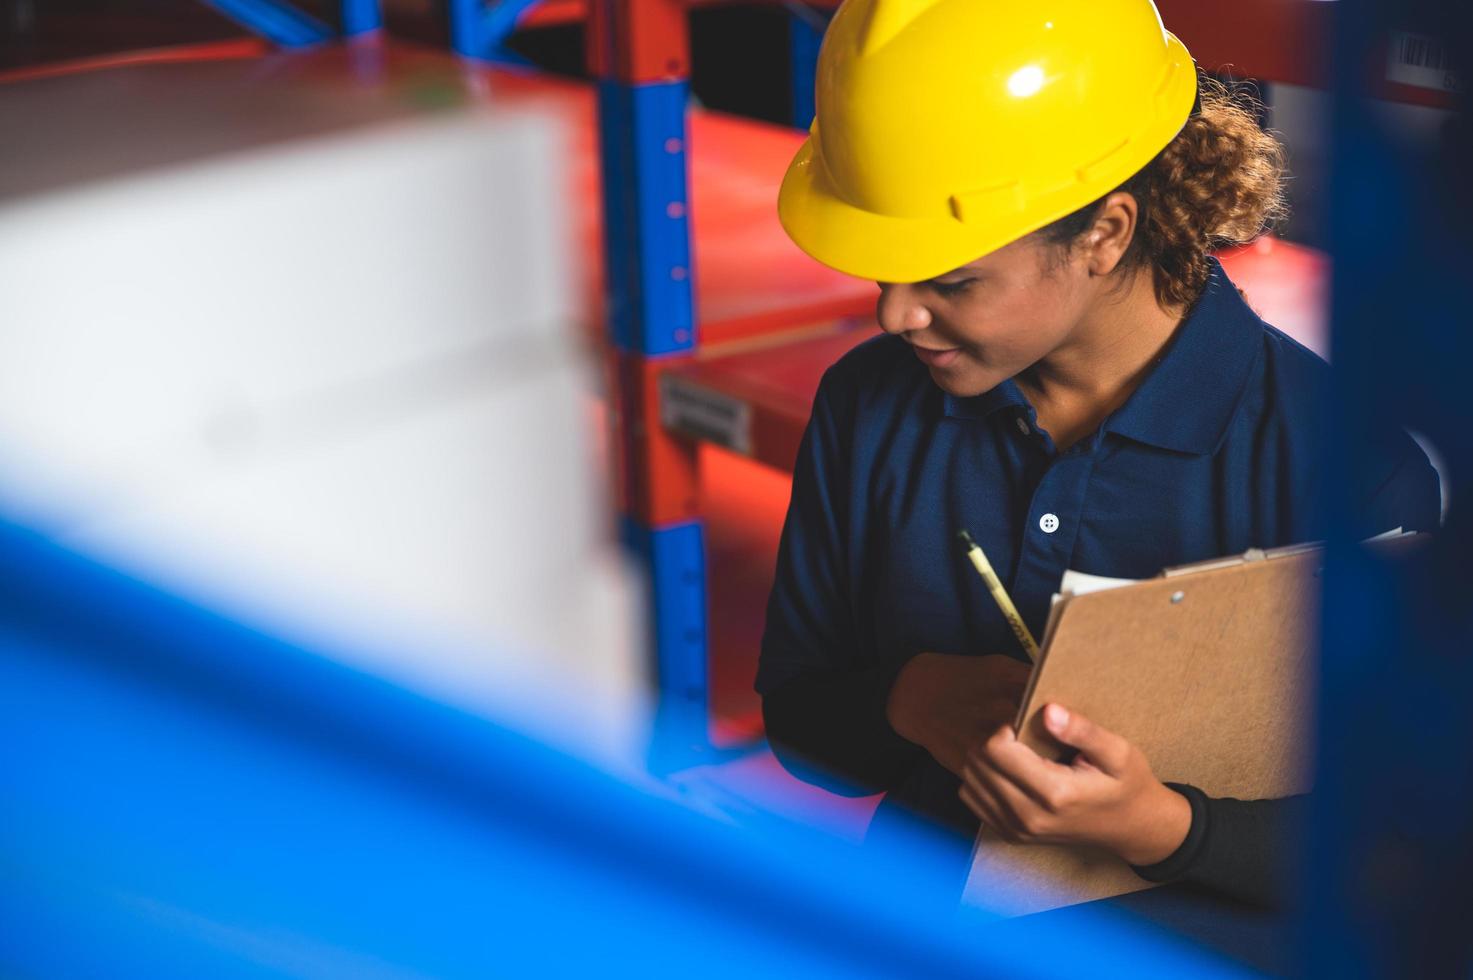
1023	425
1049	523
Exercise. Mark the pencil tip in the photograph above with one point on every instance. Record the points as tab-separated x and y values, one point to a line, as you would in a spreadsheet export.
966	539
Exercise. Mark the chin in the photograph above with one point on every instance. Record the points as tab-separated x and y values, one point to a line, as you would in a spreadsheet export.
964	384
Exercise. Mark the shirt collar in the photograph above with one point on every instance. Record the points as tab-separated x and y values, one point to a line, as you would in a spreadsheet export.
1004	395
1188	401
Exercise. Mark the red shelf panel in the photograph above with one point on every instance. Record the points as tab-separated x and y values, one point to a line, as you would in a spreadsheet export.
1280	41
553	13
174	54
550	13
762	395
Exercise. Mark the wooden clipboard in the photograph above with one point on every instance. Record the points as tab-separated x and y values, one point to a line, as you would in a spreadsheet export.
1208	670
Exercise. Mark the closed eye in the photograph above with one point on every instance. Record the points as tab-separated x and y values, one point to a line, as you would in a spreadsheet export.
951	288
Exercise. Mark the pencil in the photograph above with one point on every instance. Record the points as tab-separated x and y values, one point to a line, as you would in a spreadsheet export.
999	594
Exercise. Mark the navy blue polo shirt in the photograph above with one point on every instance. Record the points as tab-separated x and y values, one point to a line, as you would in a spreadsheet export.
1217	451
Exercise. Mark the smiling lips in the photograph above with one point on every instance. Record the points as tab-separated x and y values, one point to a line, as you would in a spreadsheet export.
937	357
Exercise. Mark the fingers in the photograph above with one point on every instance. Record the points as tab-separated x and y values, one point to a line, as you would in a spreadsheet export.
982	802
1013	813
1047	784
1106	750
1025	798
1021	817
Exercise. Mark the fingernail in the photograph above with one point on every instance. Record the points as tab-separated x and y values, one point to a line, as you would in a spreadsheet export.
1056	716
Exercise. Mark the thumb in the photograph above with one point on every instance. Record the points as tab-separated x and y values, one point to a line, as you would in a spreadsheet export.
1108	751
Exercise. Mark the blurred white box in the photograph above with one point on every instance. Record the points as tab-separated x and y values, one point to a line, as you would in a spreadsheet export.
290	345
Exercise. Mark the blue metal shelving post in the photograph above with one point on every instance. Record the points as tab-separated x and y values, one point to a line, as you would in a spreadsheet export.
806	27
646	203
639	53
1390	852
362	16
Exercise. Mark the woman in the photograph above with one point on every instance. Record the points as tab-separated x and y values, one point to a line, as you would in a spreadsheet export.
1067	373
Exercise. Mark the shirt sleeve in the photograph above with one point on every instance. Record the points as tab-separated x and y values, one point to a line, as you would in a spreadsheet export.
823	690
1237	848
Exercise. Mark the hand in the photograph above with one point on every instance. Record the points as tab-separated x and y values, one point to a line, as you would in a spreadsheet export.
1108	797
948	703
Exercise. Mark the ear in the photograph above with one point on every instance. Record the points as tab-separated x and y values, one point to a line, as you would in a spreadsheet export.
1109	236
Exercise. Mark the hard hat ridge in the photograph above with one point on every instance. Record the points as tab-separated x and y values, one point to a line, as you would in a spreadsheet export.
888	18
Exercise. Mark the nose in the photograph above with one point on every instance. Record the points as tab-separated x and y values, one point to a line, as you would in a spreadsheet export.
899	309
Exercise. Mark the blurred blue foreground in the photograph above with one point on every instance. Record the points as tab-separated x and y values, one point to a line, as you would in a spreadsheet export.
187	797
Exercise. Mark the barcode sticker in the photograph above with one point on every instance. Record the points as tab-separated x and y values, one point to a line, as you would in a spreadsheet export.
1416	59
695	411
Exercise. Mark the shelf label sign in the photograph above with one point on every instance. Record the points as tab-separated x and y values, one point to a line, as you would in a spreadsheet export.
692	410
1416	59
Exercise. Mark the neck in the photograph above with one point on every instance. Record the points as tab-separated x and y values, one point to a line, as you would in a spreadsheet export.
1110	352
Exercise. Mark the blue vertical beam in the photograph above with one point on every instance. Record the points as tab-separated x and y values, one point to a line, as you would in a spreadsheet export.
677	556
674	560
651	315
362	16
646	216
277	22
1391	855
465	27
805	36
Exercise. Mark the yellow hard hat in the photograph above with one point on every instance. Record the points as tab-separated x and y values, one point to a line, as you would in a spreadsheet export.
948	128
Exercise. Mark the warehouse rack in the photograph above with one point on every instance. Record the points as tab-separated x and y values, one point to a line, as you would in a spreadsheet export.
638	52
480	30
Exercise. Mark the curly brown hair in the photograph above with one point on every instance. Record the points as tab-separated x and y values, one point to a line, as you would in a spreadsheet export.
1220	182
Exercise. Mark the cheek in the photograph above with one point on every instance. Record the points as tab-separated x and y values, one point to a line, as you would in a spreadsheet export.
1013	333
1039	322
1047	331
